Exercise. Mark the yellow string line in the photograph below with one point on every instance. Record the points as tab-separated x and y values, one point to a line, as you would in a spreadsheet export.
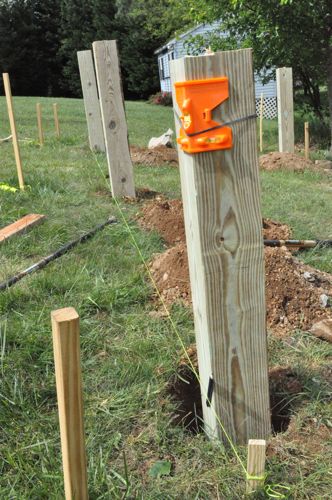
269	491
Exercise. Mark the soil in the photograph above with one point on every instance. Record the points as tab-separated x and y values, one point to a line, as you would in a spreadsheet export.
154	157
288	161
293	290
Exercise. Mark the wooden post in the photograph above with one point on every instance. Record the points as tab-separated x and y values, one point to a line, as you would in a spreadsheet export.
16	146
285	109
306	140
40	124
261	111
256	464
66	345
56	119
91	100
113	118
221	201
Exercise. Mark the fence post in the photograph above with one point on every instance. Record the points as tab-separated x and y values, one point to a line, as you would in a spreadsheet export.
56	119
113	118
40	124
91	100
256	464
221	200
285	109
306	140
66	345
261	112
9	100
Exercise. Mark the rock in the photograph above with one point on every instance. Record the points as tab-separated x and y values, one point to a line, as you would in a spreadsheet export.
309	277
324	300
323	329
326	164
163	140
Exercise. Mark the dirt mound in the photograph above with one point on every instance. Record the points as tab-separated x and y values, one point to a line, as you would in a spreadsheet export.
166	217
288	161
293	291
154	157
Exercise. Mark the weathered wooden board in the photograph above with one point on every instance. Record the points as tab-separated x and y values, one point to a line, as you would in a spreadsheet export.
114	118
285	109
221	197
20	226
91	100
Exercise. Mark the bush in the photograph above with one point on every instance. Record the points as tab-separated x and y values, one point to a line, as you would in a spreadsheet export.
162	98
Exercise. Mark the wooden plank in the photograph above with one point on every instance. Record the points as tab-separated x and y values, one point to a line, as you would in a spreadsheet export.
306	140
67	358
40	124
17	153
221	198
113	118
91	100
285	109
20	226
56	120
261	112
256	464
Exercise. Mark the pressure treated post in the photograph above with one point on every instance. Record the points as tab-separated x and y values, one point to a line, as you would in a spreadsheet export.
91	100
56	119
113	118
261	112
256	464
221	200
40	124
306	140
66	345
285	109
17	153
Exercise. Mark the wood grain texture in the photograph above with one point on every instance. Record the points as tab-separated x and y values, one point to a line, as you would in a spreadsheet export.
113	118
66	345
40	124
91	100
56	119
20	226
285	109
17	153
256	464
306	140
221	198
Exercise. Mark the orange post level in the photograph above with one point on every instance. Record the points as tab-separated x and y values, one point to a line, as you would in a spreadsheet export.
196	100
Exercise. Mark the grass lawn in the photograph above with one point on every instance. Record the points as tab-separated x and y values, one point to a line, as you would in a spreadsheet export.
128	355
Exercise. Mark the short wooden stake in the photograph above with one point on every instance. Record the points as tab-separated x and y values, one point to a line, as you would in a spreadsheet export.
256	464
261	111
306	140
221	202
9	99
40	124
91	100
114	118
285	109
66	345
56	120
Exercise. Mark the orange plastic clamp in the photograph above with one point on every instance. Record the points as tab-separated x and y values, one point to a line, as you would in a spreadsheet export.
196	100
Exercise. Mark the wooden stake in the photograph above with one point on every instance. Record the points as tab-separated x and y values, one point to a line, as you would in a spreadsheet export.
285	109
221	201
40	124
261	111
16	146
306	140
256	464
20	226
91	100
113	118
66	344
56	119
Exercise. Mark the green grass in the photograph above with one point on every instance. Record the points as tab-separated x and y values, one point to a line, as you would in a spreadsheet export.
128	355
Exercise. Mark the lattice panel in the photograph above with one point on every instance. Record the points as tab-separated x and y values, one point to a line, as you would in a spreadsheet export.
270	107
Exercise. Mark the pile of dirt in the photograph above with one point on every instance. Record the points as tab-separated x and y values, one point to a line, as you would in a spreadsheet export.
166	217
154	157
287	161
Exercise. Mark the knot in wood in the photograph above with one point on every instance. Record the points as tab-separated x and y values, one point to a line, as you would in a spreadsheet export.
112	125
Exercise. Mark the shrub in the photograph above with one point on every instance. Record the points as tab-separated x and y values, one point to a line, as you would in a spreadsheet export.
162	98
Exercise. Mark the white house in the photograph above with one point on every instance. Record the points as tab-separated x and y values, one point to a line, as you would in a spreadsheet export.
176	48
